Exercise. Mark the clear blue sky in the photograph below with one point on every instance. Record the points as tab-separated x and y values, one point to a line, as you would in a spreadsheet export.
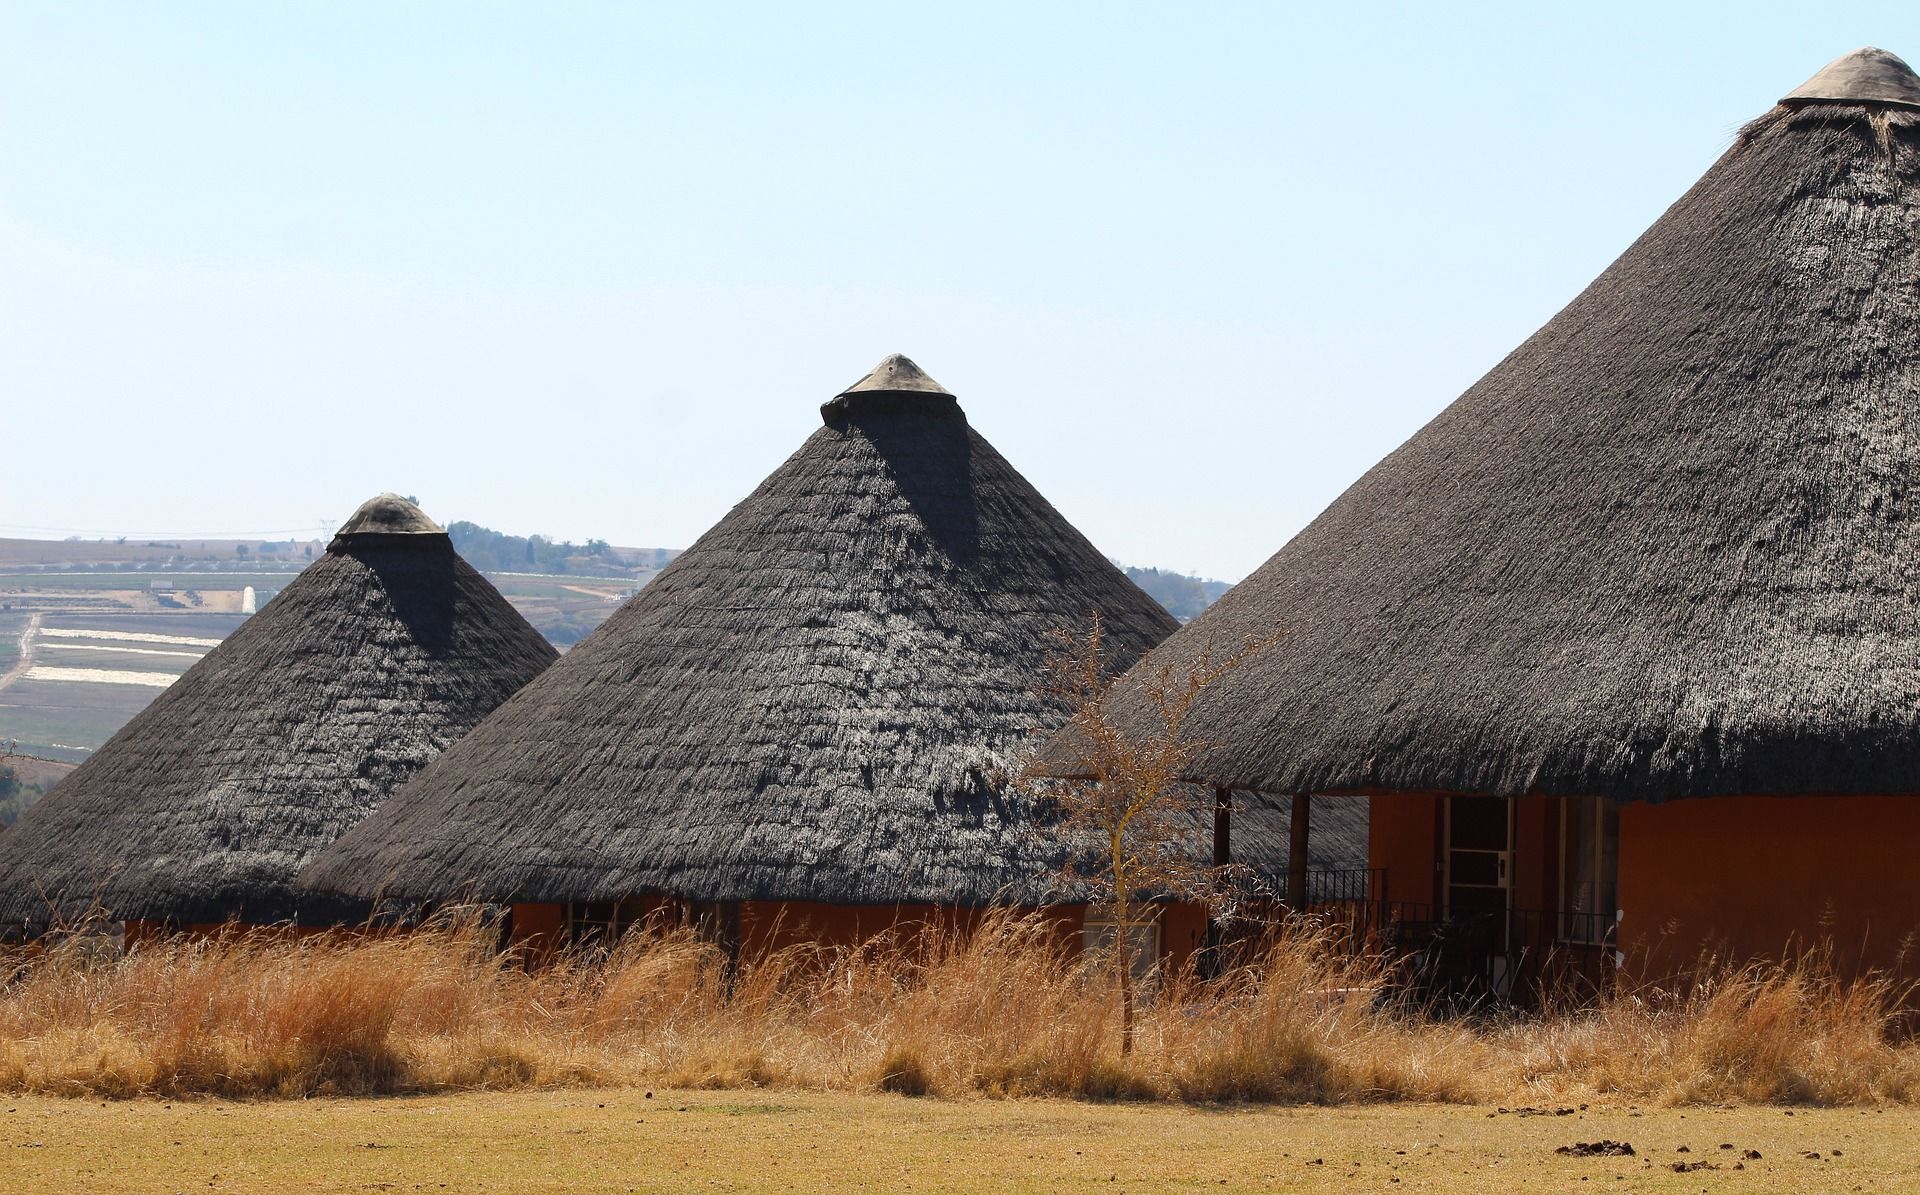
589	269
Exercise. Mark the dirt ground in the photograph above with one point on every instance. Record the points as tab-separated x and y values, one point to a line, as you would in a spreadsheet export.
624	1141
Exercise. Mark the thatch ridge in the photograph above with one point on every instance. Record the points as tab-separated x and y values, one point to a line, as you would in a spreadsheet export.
206	804
816	701
1668	547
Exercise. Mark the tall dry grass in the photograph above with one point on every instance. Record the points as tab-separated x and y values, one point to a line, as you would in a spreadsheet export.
1792	1032
1000	1010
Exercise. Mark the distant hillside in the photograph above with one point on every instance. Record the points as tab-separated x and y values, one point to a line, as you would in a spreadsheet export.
1183	596
24	780
493	551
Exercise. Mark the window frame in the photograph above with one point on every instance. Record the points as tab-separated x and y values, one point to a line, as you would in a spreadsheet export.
1594	927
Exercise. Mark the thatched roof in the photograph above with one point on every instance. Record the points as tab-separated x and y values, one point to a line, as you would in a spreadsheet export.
1669	547
810	703
203	807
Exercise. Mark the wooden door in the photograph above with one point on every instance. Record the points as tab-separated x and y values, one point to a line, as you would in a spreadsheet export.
1479	868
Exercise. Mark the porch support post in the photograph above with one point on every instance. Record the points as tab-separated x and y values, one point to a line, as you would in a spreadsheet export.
1297	853
1222	856
1222	825
730	939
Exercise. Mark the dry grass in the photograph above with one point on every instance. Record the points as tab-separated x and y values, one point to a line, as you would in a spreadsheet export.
623	1141
1786	1033
1000	1011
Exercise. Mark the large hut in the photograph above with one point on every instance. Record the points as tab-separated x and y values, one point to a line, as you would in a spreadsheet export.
202	809
806	719
1624	646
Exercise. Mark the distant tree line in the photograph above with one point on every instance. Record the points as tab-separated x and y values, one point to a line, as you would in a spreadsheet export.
493	551
1184	597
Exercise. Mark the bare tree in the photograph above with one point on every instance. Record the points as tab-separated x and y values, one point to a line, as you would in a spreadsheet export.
1128	812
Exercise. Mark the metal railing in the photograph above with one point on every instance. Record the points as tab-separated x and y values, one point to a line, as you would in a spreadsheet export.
1519	956
1463	958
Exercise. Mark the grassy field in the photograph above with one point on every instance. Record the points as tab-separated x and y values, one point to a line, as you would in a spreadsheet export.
624	1141
67	721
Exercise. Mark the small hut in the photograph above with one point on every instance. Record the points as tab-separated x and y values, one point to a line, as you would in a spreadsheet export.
201	809
805	719
1624	646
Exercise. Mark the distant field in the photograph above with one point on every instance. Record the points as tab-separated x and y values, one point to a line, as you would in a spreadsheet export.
16	552
11	624
82	689
171	660
82	686
67	721
588	588
66	714
192	623
564	609
90	581
639	1141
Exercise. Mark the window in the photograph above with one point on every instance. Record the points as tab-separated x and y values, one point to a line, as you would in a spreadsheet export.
1100	928
601	922
1589	868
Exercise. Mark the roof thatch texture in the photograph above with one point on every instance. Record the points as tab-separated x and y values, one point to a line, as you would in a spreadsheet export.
810	703
1669	547
205	805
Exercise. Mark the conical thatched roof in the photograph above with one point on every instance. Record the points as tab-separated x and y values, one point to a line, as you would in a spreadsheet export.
1669	547
809	704
203	808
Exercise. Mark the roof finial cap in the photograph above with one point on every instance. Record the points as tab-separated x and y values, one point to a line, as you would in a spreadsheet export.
390	514
896	375
1867	76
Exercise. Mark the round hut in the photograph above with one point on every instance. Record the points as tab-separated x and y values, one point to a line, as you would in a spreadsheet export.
1624	645
202	809
803	720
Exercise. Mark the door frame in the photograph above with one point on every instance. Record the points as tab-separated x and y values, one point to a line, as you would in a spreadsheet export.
1505	854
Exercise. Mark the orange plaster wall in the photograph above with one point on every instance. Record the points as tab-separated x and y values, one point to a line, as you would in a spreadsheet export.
1403	840
1183	932
773	924
537	928
1761	874
1536	853
769	925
